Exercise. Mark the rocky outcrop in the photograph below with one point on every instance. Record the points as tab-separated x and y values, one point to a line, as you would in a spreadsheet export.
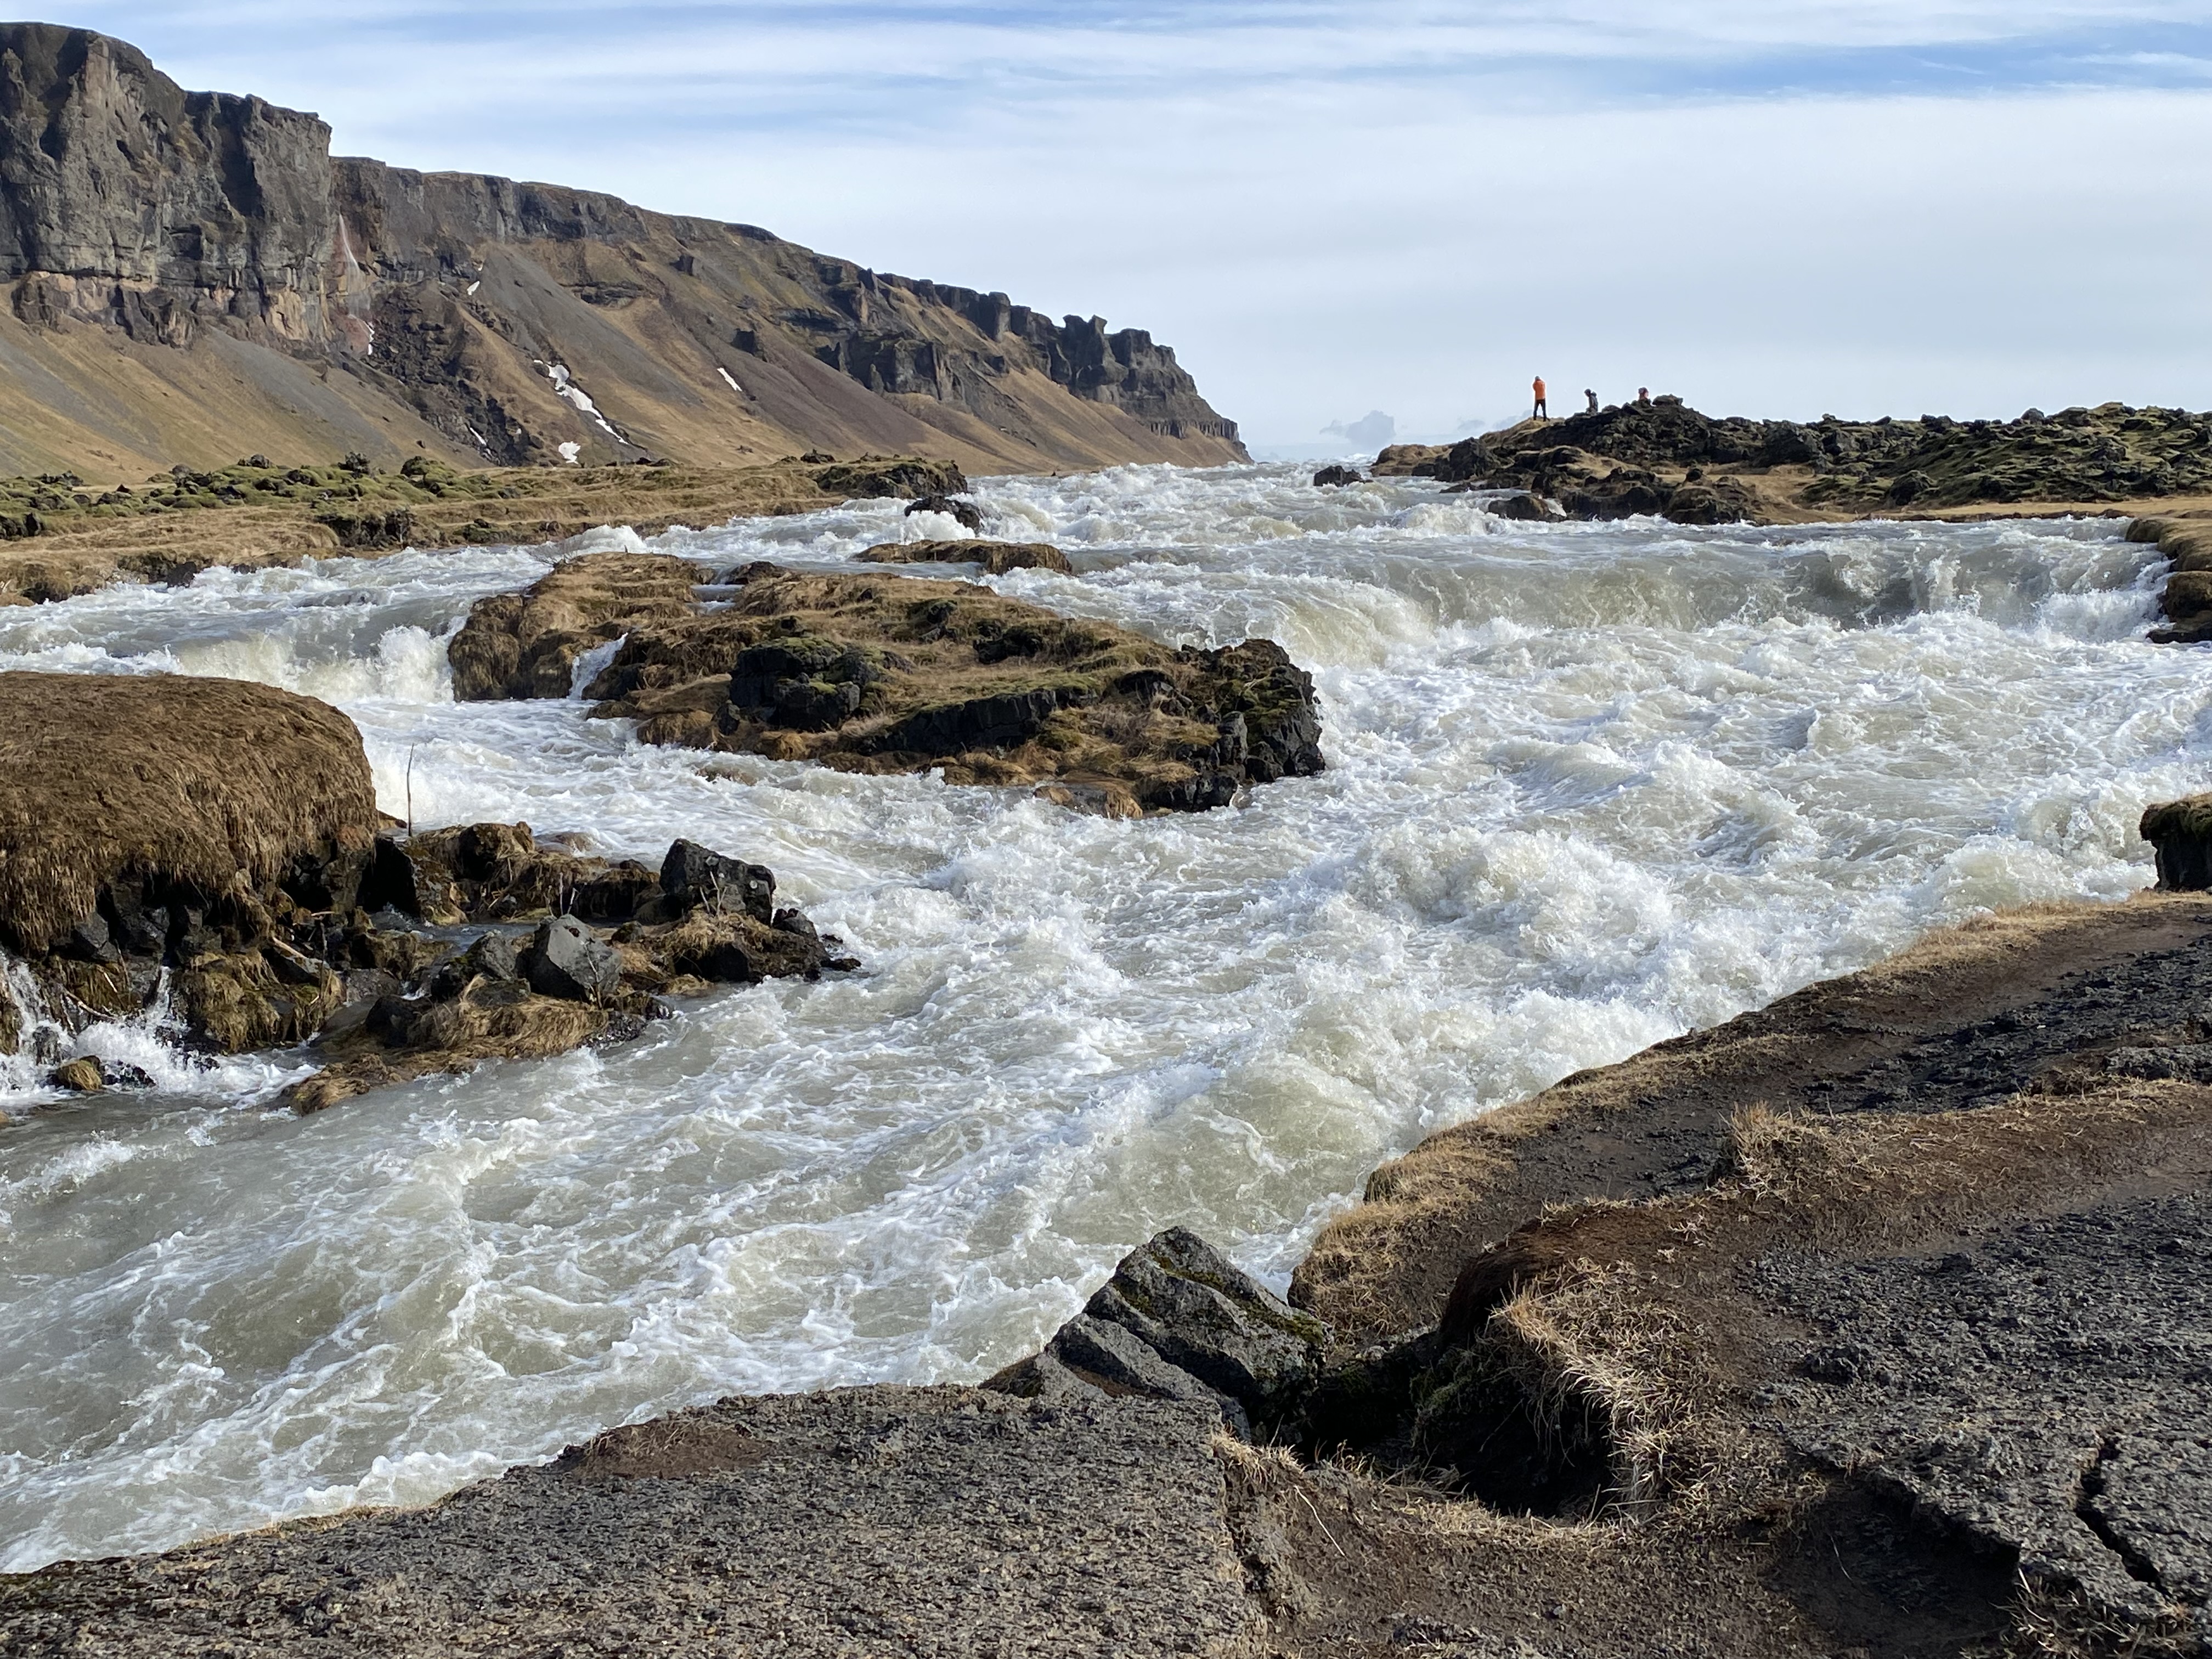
1587	489
519	645
2187	599
165	822
997	558
1179	1321
490	320
220	841
2181	833
1640	456
609	939
870	1523
895	674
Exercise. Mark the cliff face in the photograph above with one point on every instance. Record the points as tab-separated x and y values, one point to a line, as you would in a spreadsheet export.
194	275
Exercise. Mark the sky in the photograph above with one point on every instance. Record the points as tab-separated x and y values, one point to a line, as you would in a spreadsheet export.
1770	208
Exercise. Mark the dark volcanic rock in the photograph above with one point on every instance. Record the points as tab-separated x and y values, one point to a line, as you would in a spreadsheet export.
996	557
1337	477
2187	600
967	514
565	960
1179	1321
995	722
869	1523
692	876
2042	1391
1524	505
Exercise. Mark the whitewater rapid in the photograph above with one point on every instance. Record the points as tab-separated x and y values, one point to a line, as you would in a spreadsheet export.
1589	786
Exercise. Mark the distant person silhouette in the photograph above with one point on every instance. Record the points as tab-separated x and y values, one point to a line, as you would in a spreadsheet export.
1644	397
1592	396
1543	411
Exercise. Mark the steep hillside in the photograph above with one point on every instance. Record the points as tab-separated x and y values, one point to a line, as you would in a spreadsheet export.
193	277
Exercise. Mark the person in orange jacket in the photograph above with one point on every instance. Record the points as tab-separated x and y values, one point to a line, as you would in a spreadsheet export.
1543	411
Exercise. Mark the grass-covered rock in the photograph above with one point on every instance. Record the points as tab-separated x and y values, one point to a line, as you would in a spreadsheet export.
870	673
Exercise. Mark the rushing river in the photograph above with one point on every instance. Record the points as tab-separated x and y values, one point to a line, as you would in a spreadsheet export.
1589	786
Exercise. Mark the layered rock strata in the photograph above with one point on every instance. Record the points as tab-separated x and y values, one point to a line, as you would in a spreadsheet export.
2186	599
884	673
210	246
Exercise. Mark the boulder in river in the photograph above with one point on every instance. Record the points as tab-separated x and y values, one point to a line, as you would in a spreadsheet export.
893	674
160	821
566	959
222	839
966	515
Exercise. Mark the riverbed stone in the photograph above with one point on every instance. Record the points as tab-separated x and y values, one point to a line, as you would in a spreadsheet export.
693	877
567	960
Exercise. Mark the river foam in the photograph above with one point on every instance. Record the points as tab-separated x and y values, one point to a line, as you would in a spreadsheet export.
1589	786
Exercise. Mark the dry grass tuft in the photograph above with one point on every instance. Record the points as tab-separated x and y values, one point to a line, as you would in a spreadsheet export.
189	781
1592	1338
2049	1623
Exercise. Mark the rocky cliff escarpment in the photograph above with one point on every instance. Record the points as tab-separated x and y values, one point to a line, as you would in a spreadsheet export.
192	276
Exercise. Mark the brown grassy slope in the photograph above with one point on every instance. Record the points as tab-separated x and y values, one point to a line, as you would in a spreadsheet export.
90	400
1658	1122
886	673
170	531
191	779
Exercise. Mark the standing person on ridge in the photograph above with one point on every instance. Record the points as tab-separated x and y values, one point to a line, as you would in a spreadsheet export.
1543	411
1592	396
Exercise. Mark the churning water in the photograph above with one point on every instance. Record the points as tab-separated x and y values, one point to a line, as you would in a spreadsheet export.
1589	786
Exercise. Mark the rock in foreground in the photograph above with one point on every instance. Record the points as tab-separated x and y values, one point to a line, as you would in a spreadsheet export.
221	839
1179	1321
163	821
893	674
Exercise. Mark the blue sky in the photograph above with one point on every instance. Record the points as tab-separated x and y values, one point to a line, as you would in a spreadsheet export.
1869	206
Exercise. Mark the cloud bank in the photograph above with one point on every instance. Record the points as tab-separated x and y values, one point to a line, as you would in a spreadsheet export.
1867	207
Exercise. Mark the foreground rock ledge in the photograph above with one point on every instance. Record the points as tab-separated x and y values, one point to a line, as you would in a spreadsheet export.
870	673
1878	1322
